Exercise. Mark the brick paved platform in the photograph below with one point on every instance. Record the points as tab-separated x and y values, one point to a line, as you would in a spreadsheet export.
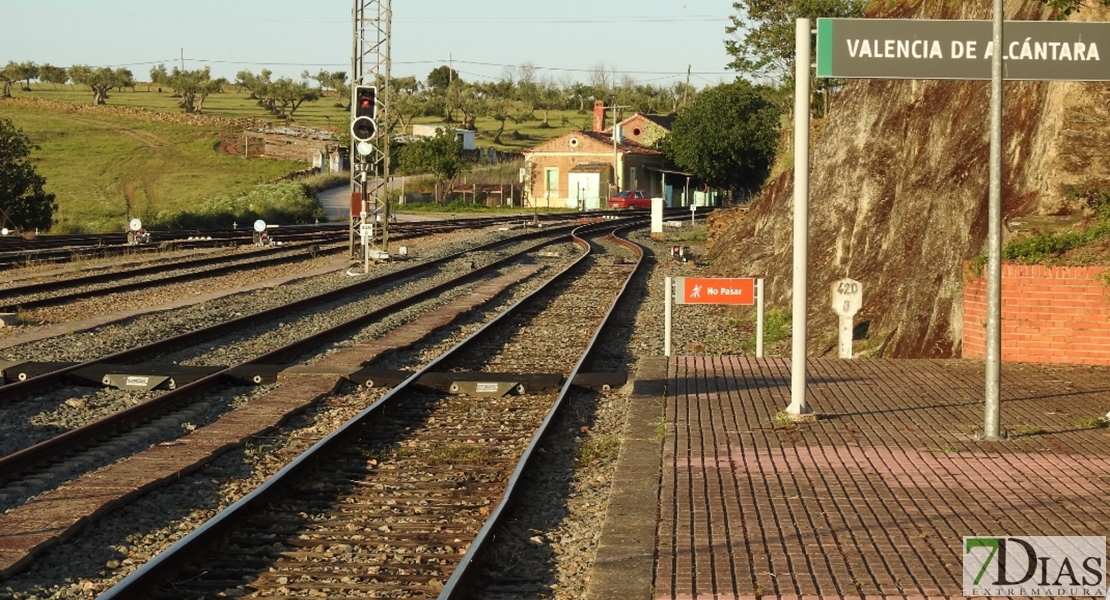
873	499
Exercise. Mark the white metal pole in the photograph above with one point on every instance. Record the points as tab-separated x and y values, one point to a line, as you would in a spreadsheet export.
991	408
667	318
759	318
798	404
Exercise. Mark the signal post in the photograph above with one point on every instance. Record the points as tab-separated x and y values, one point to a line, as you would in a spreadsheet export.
370	168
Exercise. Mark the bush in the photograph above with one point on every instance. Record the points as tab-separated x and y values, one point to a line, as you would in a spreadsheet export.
1045	249
286	203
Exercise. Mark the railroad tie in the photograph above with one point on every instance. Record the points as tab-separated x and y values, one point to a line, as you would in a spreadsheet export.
54	516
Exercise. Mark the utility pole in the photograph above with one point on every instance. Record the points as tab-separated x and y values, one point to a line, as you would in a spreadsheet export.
686	90
370	65
617	174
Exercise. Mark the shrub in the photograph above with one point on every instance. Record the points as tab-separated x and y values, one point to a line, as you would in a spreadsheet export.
283	203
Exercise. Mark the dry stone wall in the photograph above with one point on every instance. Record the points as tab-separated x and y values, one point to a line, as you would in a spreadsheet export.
144	114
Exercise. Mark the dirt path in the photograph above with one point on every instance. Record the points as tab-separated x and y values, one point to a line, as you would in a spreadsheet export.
146	138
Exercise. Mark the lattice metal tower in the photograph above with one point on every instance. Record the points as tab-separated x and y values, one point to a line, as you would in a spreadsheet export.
370	65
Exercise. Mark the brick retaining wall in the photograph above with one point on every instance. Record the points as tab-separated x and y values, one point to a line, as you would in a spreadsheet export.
1049	315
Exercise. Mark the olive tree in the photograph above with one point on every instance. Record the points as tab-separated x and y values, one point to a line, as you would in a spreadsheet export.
101	80
193	87
440	156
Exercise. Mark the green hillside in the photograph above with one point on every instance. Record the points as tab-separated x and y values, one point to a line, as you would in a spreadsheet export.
105	167
140	155
324	113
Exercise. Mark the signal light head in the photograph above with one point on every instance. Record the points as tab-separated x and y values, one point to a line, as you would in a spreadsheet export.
365	104
364	109
363	129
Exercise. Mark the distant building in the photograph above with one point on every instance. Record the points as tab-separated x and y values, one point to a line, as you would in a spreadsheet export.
679	188
300	144
581	169
466	136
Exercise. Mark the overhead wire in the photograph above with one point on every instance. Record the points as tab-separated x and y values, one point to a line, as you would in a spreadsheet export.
658	74
565	20
555	19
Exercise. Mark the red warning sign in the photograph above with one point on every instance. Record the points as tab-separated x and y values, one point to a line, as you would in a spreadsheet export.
707	290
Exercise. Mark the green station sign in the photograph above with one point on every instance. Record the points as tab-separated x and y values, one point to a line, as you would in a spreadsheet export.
935	49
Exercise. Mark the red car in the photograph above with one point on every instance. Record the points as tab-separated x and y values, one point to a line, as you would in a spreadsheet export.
631	199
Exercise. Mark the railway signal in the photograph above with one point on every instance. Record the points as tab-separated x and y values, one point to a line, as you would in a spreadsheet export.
364	110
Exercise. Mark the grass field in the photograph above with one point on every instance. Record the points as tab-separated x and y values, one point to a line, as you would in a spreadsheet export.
321	114
106	168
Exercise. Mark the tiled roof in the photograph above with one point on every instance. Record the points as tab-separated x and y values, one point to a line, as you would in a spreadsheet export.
666	122
627	146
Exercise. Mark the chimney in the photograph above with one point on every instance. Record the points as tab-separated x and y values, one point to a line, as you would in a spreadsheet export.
599	115
618	133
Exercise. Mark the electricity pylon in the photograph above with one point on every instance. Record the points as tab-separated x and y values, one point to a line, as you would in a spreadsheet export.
370	65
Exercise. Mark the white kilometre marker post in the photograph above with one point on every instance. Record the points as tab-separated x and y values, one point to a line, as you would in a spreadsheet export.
847	298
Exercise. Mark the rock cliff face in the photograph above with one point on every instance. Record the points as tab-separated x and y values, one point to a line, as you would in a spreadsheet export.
899	188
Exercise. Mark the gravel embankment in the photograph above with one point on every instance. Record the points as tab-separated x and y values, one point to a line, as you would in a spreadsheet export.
549	543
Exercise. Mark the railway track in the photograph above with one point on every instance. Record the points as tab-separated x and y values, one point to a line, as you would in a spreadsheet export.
30	295
50	452
187	380
16	251
38	295
400	501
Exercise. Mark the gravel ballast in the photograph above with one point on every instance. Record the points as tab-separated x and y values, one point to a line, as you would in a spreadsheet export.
547	546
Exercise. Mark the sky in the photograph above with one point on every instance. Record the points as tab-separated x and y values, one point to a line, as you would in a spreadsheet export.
653	41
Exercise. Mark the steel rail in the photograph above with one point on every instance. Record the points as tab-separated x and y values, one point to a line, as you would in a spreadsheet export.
16	462
237	263
11	260
34	251
59	248
155	572
12	390
63	243
56	249
462	578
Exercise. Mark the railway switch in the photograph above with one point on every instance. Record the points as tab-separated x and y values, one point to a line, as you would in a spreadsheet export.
27	370
5	366
487	389
146	377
